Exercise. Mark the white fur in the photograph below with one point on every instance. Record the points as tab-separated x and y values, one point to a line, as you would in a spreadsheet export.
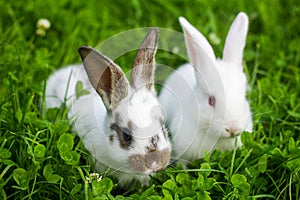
91	121
138	111
196	126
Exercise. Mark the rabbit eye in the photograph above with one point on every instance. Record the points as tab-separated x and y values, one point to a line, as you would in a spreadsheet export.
211	100
126	137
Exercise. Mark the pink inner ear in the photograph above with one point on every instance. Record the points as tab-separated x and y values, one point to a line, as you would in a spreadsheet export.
211	100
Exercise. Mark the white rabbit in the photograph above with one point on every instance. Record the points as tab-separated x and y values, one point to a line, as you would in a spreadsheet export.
205	101
121	124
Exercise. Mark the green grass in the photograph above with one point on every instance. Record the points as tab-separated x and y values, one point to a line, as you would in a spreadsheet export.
33	163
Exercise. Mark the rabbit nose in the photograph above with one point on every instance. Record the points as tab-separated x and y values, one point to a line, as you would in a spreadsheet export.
158	160
233	131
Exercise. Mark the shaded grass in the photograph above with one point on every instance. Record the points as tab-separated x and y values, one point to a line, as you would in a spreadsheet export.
269	159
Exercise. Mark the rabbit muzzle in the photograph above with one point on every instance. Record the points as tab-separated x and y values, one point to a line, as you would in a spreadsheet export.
149	163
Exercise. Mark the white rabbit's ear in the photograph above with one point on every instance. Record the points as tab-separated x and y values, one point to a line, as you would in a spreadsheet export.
236	39
144	64
105	76
194	39
199	50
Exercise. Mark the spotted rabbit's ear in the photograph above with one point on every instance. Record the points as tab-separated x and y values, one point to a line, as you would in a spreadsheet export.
105	76
236	40
144	64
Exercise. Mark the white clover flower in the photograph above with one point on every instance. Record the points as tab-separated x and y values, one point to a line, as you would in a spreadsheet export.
43	24
87	180
93	176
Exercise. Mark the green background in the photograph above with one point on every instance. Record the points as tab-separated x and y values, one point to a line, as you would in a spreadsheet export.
33	164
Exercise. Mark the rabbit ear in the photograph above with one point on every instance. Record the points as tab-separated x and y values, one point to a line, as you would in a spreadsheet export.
236	39
199	50
144	64
105	76
194	39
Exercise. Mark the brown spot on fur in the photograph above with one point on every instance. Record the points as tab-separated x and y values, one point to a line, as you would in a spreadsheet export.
118	117
137	163
153	161
164	129
153	144
111	138
124	142
130	126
